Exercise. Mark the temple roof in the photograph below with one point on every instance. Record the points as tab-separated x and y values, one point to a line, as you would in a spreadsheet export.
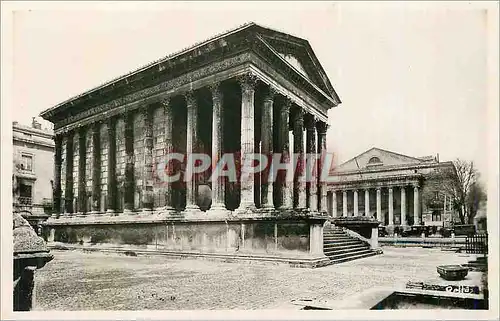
294	51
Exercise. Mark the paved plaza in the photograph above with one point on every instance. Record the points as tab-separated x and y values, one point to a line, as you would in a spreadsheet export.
75	280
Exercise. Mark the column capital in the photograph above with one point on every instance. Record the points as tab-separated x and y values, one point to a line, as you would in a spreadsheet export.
247	81
165	101
271	92
215	89
310	122
95	126
299	117
322	127
190	99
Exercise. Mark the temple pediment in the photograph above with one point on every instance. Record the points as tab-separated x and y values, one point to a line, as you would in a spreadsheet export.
298	53
376	157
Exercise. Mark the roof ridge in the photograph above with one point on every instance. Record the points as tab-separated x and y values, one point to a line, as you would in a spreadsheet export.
150	64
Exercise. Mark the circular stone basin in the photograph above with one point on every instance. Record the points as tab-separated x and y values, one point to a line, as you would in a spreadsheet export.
452	272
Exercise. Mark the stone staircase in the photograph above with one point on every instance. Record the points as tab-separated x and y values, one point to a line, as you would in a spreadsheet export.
340	247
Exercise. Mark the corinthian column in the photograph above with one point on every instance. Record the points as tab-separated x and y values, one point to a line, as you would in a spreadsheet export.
322	128
64	163
169	148
344	203
267	148
416	205
380	217
311	186
403	206
129	165
218	203
82	164
111	179
356	209
367	202
95	168
56	188
286	196
191	141
147	174
334	203
69	176
298	148
247	83
390	206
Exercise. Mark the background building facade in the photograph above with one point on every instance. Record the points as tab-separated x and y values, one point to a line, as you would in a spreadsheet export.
33	170
393	188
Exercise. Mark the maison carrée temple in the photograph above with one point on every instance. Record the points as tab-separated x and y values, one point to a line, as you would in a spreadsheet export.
249	90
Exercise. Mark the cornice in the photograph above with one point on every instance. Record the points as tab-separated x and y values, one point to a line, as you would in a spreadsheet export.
198	56
216	72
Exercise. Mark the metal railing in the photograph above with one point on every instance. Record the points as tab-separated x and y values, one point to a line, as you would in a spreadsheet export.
476	244
24	200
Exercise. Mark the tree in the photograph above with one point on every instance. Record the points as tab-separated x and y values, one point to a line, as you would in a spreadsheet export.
461	183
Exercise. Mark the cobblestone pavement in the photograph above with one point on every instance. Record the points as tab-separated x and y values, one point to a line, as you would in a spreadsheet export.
75	280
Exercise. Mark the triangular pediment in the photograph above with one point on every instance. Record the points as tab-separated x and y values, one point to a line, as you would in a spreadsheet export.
298	54
377	157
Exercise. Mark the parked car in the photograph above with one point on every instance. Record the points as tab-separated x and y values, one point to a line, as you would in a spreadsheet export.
416	231
445	232
465	229
382	231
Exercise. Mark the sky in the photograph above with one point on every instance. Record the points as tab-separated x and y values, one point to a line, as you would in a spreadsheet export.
412	77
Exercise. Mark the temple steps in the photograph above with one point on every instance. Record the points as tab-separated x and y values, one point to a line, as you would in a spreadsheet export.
340	247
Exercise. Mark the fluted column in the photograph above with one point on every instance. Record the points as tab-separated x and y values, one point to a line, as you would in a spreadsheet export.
64	163
267	148
298	148
403	206
380	217
68	194
356	203
96	168
56	188
390	207
247	83
286	195
191	142
168	149
367	202
218	186
322	128
312	168
147	174
129	165
82	164
416	205
111	179
344	203
334	203
76	171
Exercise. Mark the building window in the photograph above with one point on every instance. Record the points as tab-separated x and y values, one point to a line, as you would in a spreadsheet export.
374	160
25	194
436	216
27	162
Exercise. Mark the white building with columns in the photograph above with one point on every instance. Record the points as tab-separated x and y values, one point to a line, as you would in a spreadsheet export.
391	187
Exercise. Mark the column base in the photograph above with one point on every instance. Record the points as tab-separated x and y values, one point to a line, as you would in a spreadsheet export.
110	212
192	208
147	211
218	207
127	211
246	207
81	214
